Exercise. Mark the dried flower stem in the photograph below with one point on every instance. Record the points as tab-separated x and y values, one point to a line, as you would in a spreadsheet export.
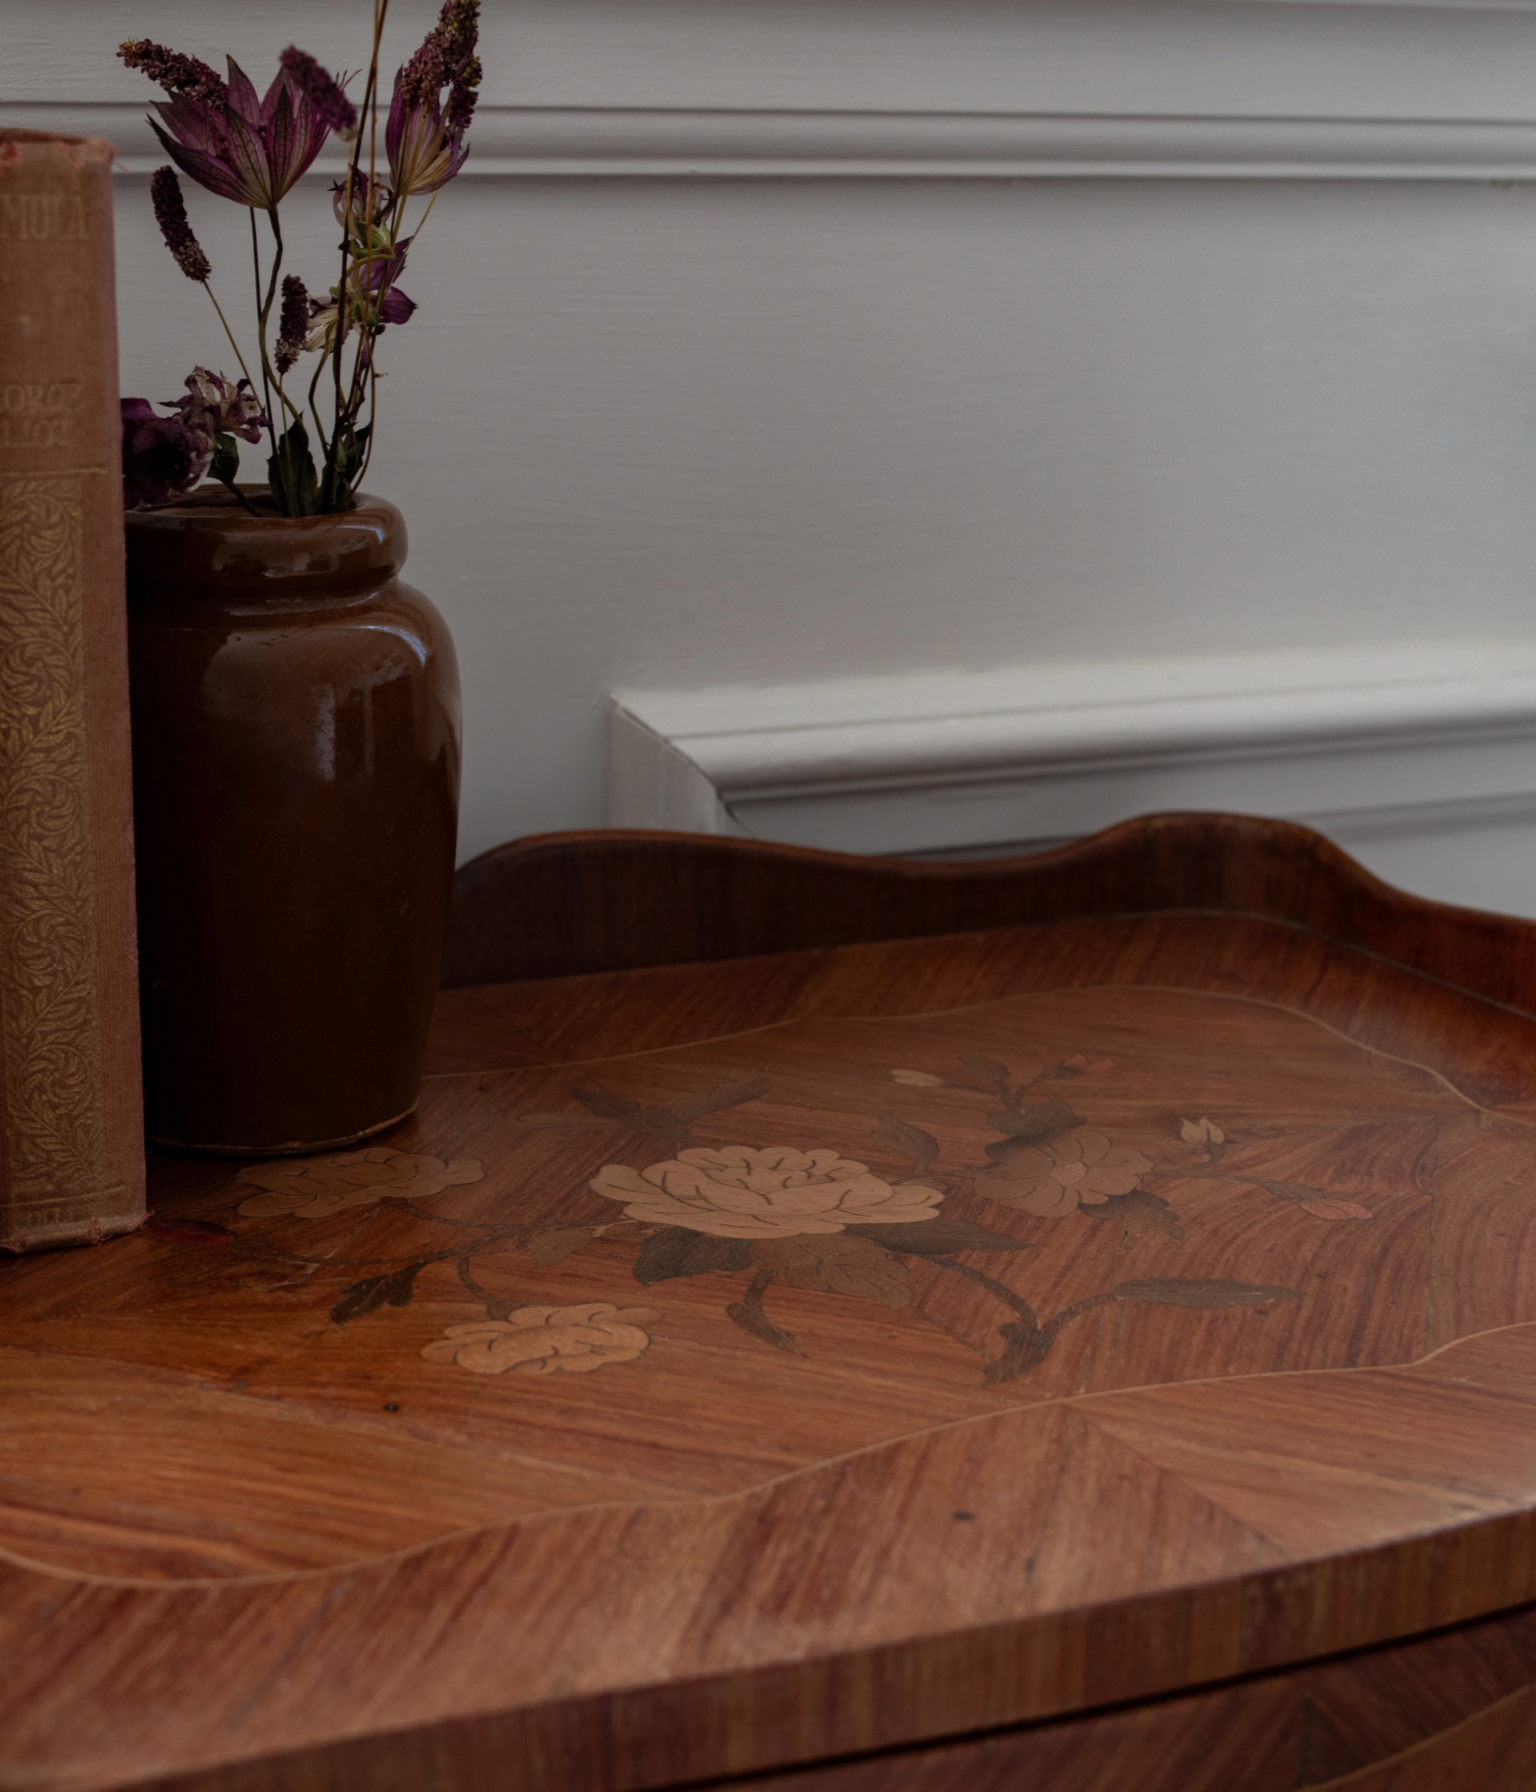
266	380
213	300
362	359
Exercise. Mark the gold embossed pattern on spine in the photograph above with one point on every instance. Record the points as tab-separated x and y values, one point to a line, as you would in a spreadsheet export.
51	1047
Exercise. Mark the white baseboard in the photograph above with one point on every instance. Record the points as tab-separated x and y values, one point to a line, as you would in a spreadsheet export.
1418	741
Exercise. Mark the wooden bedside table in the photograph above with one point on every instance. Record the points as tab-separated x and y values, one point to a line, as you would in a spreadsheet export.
1065	1322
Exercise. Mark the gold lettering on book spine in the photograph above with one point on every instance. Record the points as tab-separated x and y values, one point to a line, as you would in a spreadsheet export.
51	1050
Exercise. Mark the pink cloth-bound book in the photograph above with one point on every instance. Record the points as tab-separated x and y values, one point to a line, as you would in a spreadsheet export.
71	1133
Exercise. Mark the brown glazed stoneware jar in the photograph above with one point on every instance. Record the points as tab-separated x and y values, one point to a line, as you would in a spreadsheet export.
295	786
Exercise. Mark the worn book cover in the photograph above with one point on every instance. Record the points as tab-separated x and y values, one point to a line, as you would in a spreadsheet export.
71	1132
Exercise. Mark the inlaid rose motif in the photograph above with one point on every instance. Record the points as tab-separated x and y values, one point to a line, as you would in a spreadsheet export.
739	1192
544	1340
1055	1177
312	1188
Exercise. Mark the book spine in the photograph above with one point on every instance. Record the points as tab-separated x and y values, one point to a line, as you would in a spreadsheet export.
71	1128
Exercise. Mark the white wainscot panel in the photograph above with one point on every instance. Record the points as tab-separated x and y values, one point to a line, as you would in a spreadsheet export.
1419	758
887	88
810	385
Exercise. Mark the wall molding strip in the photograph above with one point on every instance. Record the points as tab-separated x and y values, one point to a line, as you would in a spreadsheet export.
944	763
573	142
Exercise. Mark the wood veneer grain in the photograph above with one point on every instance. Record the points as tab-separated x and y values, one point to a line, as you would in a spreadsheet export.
1454	1712
1180	1324
561	905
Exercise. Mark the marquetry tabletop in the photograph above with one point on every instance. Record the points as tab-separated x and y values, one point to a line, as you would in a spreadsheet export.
820	1313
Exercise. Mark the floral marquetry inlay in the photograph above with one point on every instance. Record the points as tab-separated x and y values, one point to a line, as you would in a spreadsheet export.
825	1235
737	1192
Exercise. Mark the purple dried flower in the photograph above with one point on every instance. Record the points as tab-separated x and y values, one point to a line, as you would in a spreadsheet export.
293	325
369	278
332	107
214	406
172	71
171	216
463	97
370	202
366	280
322	324
162	457
242	148
426	145
395	307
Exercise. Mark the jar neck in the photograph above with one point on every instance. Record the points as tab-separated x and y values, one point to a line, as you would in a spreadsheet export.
211	544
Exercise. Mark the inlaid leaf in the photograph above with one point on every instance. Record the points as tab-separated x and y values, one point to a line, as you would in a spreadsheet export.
1139	1211
835	1264
922	1147
940	1236
749	1315
606	1105
729	1095
555	1243
397	1289
985	1070
1193	1291
1295	1191
675	1251
570	1122
1037	1120
662	1123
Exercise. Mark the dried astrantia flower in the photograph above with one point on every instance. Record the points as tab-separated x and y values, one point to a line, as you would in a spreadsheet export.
373	301
218	407
424	137
228	140
162	457
252	149
361	206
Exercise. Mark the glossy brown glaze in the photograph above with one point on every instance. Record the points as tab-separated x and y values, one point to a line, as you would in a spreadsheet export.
296	762
733	1367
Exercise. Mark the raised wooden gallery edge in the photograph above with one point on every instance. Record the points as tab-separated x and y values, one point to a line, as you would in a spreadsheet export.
736	1365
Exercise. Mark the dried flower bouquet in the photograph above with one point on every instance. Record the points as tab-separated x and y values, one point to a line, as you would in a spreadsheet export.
252	149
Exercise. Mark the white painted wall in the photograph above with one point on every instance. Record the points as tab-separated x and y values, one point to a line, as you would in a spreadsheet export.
788	342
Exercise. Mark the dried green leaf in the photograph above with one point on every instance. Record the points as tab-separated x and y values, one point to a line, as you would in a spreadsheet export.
675	1251
226	459
291	473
